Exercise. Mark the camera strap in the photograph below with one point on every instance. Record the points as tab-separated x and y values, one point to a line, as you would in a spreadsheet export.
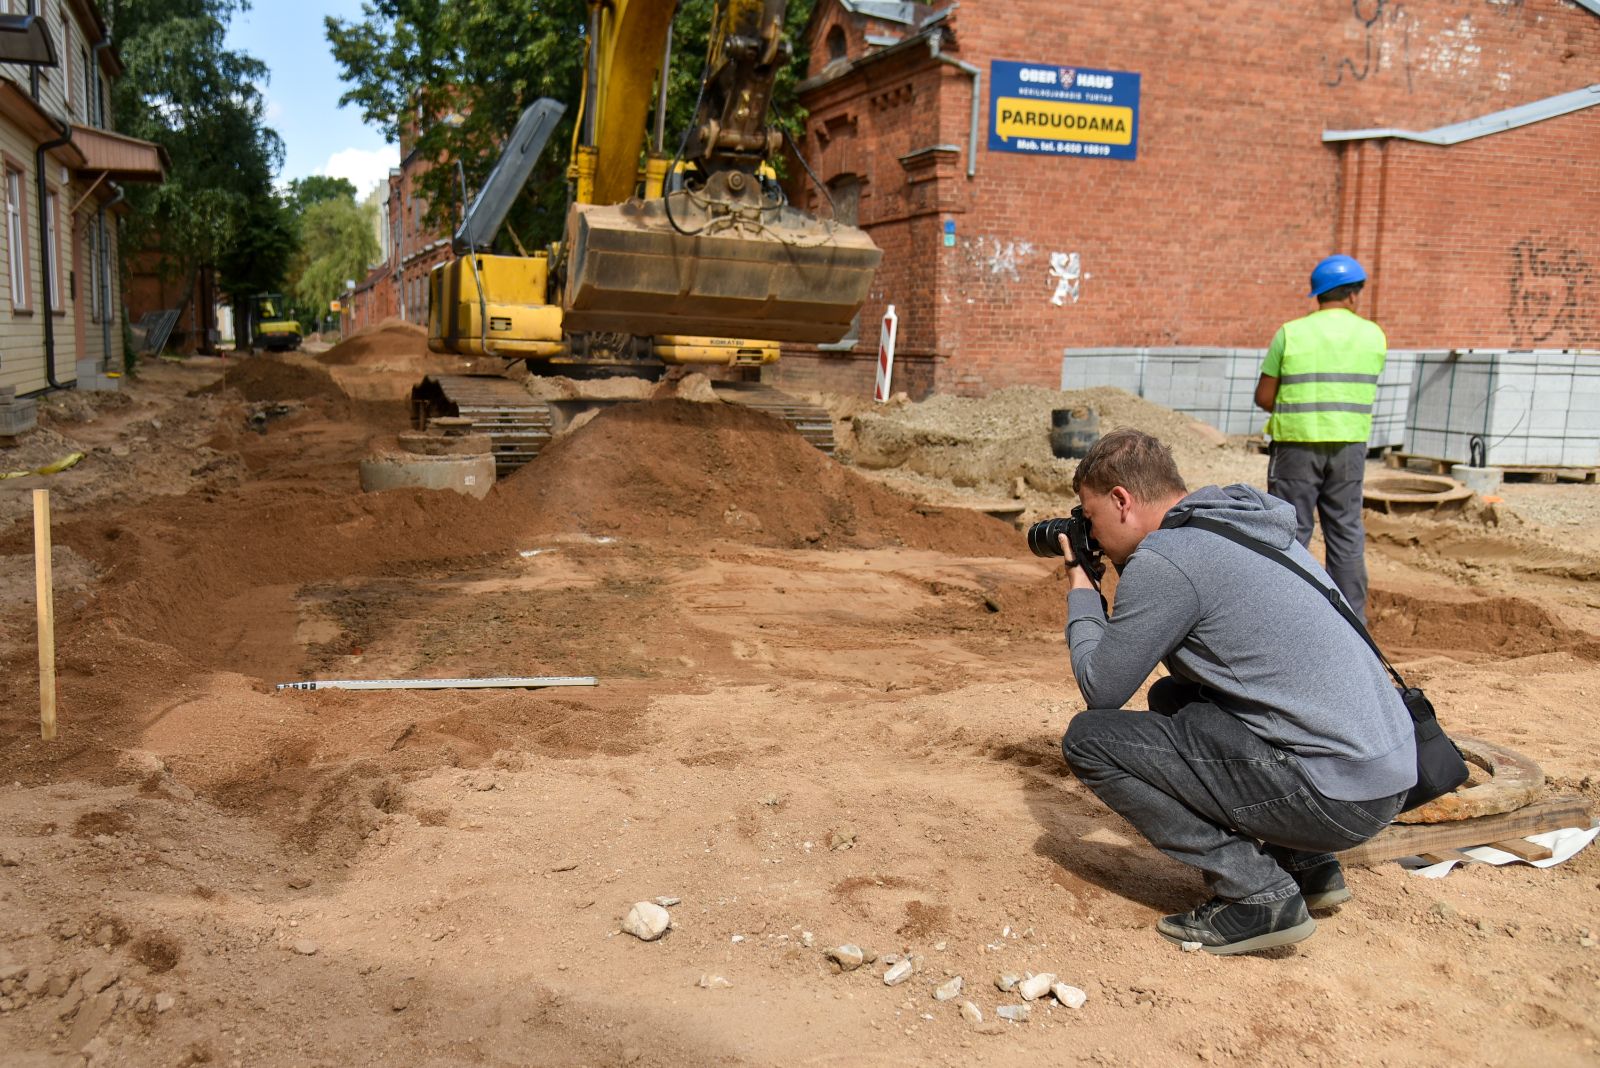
1330	592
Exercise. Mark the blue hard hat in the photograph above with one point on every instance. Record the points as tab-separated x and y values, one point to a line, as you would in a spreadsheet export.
1333	272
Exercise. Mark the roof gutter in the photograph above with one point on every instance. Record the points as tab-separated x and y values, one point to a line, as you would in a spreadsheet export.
977	91
1497	122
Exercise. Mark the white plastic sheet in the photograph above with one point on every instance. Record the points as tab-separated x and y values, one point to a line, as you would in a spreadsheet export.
1563	845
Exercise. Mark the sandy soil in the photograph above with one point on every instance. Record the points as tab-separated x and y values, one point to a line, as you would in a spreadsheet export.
828	713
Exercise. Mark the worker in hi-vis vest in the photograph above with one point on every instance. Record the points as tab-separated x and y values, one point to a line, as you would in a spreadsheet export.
1319	381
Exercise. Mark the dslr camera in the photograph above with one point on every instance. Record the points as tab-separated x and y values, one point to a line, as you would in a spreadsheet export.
1044	538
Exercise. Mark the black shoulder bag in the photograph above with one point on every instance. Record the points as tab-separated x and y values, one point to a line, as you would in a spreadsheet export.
1440	768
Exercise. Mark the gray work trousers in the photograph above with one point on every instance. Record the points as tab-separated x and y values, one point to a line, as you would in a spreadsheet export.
1205	790
1324	479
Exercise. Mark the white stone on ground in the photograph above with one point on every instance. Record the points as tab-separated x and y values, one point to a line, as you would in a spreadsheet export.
1035	986
947	989
1006	982
848	957
1014	1013
898	973
971	1013
1070	996
646	921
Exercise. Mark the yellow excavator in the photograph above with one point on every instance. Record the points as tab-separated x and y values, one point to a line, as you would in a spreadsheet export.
665	260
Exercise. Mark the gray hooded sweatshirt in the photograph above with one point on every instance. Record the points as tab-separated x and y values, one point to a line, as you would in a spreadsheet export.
1268	648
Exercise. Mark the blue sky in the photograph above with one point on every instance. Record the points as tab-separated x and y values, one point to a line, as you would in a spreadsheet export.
319	137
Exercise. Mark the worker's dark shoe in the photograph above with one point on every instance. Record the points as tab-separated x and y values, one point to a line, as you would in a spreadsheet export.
1323	886
1229	927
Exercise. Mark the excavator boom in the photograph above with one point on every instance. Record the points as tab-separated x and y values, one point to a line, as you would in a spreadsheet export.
724	254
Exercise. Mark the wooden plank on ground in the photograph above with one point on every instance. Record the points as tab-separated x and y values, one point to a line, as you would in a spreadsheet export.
1526	850
1405	840
1442	855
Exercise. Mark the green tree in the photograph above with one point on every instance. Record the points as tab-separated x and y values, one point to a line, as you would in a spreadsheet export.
409	62
185	90
338	241
304	192
258	256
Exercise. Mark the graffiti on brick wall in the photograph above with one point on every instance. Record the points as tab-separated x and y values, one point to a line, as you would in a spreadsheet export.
1066	272
1383	37
1384	33
1551	288
1003	258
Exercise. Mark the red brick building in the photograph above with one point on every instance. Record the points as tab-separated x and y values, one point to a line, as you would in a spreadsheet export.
399	286
1264	137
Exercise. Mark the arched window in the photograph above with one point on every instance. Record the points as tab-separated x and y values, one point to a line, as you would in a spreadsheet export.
837	45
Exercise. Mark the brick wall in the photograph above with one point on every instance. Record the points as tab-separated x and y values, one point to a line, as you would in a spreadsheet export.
1207	238
1489	243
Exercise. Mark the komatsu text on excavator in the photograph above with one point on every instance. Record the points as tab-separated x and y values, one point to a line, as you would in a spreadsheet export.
653	272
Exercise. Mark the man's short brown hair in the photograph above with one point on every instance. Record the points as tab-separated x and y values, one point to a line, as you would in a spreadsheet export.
1138	462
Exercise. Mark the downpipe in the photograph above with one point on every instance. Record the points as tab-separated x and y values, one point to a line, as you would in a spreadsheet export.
105	280
46	263
977	91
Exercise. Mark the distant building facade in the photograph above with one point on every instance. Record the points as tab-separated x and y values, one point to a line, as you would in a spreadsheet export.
398	286
61	292
1043	178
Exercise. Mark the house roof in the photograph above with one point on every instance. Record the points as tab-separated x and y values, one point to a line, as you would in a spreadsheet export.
1493	123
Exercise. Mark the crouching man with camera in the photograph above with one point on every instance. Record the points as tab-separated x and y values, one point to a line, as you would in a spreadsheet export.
1277	740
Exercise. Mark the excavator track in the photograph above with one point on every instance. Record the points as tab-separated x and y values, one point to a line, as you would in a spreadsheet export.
812	422
519	424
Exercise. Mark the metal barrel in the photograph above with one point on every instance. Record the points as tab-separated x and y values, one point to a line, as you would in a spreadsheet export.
1073	431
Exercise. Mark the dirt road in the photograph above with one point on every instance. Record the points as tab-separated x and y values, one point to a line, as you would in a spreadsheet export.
827	714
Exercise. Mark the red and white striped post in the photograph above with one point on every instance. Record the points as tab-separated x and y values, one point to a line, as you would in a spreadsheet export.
891	323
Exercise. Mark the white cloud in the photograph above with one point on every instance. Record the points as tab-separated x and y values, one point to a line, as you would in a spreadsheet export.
365	168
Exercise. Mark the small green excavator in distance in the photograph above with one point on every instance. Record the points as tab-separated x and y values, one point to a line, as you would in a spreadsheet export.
274	329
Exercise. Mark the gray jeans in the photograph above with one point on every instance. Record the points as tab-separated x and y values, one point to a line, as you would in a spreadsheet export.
1205	790
1324	480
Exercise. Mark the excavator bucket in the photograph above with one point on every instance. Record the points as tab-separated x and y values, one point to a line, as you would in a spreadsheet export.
756	272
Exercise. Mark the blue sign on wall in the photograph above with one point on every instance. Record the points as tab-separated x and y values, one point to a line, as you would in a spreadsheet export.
1047	110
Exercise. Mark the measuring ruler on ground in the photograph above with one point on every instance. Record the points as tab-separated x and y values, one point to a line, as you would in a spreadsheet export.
508	683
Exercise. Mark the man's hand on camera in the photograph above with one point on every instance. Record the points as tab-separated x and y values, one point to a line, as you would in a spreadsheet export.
1078	577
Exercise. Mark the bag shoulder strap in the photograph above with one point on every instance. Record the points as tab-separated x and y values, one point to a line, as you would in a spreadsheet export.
1330	592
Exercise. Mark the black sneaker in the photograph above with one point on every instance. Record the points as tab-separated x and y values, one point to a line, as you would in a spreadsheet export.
1323	886
1229	927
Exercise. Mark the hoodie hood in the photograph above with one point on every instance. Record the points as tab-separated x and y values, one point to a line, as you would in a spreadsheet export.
1244	508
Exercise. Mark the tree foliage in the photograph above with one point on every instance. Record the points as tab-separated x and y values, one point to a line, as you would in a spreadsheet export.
409	63
186	91
337	242
304	192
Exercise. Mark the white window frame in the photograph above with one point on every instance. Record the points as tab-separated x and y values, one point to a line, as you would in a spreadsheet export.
52	235
16	240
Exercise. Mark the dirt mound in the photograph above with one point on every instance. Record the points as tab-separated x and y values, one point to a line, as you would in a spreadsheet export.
269	378
681	469
389	340
1503	627
991	441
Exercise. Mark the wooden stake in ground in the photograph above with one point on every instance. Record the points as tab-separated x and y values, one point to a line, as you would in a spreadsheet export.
44	588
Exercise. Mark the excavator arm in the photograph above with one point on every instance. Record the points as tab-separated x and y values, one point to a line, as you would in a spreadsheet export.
720	257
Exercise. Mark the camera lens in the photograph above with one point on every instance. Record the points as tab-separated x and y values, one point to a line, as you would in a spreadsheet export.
1044	537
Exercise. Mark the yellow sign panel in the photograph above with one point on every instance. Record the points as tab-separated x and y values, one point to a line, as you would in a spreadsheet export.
334	306
1060	121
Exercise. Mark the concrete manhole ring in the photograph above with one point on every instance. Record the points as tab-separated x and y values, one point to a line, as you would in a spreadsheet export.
1514	781
1412	492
